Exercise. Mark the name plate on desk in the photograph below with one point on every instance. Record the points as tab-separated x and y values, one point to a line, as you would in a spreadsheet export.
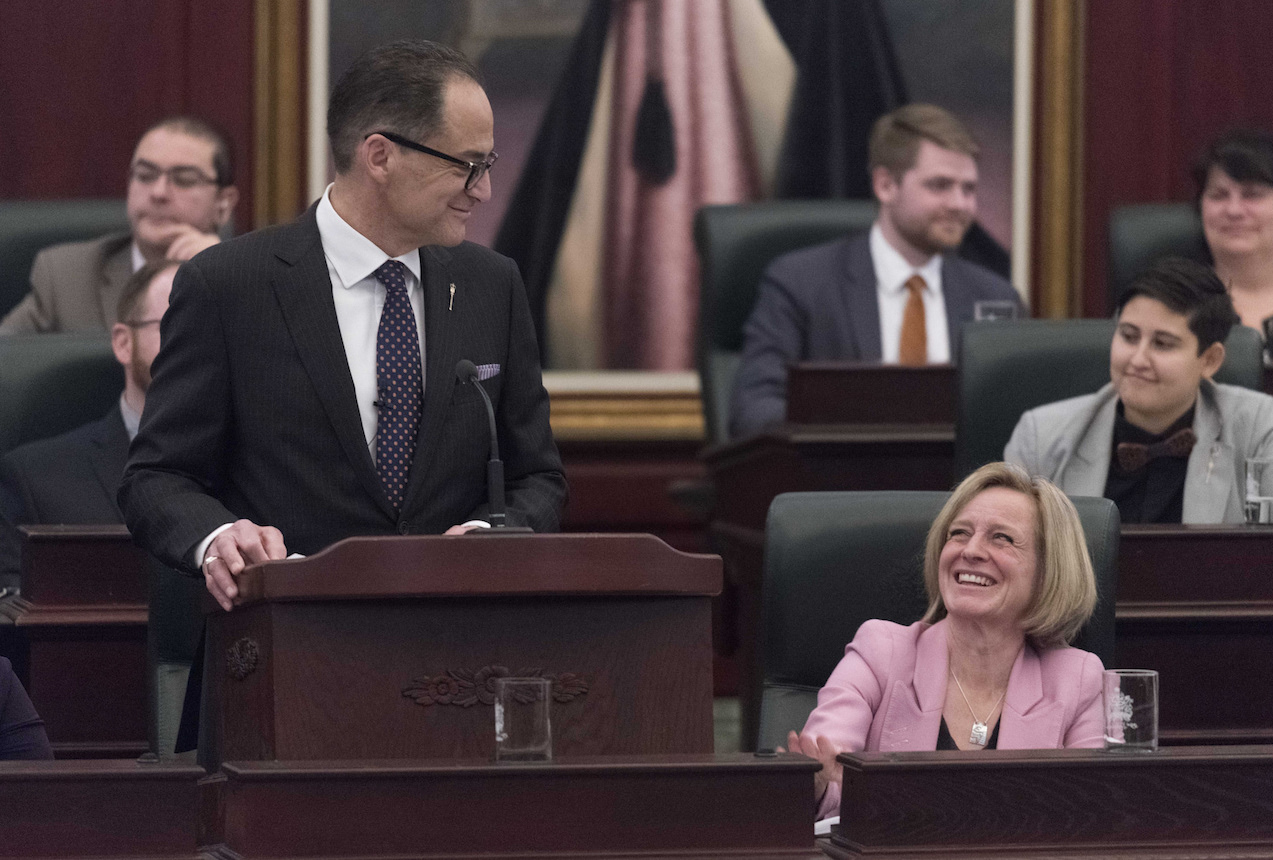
1183	802
870	393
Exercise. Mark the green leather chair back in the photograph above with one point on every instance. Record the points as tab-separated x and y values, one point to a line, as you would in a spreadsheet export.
834	560
26	226
51	383
1007	368
1146	232
735	246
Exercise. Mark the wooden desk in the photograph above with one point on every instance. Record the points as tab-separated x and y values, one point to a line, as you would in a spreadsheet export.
77	637
1181	802
98	809
669	807
895	432
1196	603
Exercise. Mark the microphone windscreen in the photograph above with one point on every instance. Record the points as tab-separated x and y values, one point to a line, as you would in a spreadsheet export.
465	370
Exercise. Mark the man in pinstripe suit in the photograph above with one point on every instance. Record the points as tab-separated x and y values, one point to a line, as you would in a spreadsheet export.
265	430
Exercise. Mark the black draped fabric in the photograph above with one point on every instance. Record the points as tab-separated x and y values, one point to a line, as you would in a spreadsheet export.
536	216
847	77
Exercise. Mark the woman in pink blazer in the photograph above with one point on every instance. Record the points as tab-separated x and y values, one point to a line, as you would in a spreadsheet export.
1009	584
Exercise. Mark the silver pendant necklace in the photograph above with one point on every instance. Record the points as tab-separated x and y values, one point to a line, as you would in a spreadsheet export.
980	730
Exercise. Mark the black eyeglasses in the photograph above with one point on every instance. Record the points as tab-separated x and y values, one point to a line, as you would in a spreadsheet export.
141	323
477	169
182	176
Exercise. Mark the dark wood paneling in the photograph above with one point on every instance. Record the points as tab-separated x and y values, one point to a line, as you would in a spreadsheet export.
699	807
1162	80
81	79
98	809
1188	802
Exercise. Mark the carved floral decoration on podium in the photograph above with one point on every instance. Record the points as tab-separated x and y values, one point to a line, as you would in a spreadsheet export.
468	687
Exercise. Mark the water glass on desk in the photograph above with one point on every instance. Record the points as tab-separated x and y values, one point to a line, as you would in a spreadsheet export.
989	309
1259	490
1131	710
523	727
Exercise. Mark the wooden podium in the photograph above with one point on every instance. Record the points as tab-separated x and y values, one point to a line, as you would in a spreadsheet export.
77	637
387	648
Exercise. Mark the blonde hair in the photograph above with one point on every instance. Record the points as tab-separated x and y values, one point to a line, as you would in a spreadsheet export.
1065	590
895	137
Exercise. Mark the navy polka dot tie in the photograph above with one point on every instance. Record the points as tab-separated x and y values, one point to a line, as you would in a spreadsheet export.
398	377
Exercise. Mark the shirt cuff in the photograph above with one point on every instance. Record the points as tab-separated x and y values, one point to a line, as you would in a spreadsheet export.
479	523
202	549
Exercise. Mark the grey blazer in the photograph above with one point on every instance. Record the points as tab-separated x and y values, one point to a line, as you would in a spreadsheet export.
821	303
75	286
1070	441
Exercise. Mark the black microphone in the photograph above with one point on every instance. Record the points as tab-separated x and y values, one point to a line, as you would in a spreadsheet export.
466	371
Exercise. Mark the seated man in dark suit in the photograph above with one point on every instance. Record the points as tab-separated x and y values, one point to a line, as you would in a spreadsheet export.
895	294
180	193
73	478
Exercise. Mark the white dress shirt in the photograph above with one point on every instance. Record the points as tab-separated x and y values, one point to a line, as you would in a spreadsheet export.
892	271
352	260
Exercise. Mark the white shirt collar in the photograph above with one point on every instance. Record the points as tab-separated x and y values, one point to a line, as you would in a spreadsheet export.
351	254
138	259
132	418
892	270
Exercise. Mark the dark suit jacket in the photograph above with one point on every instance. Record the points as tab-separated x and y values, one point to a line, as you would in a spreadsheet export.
70	478
22	734
252	413
820	303
75	286
74	478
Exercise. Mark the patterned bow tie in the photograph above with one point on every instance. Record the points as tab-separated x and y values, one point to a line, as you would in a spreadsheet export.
1133	455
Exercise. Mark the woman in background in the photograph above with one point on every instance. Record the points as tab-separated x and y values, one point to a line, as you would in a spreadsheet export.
1235	198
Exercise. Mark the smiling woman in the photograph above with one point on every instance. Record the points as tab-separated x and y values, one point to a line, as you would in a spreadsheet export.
1009	583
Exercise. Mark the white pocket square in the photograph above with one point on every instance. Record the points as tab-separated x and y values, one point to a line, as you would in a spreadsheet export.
486	371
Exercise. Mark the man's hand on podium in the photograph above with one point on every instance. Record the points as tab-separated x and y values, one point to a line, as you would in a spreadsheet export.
243	543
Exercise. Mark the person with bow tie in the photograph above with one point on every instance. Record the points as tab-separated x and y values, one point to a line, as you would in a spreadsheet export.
1162	440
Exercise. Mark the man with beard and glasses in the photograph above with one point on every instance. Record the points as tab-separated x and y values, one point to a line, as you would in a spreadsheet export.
73	478
181	194
896	294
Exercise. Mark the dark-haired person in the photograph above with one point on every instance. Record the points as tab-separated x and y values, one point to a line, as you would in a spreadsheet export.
1162	440
306	389
180	193
1235	198
894	294
22	735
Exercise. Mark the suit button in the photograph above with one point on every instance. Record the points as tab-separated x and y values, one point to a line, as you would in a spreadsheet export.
403	529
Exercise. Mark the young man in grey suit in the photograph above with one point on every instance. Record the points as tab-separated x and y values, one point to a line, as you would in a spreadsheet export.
180	193
895	294
1161	440
306	389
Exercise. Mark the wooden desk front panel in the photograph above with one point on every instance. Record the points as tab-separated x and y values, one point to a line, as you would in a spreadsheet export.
1186	802
339	675
1196	603
698	807
98	809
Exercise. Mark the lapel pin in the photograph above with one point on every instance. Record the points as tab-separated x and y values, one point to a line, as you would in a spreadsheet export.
451	304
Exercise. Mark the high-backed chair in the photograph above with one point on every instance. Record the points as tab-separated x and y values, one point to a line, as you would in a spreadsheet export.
26	226
735	246
1145	232
1007	368
51	383
834	560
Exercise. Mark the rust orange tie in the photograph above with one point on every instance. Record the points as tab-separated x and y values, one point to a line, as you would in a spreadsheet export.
913	347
